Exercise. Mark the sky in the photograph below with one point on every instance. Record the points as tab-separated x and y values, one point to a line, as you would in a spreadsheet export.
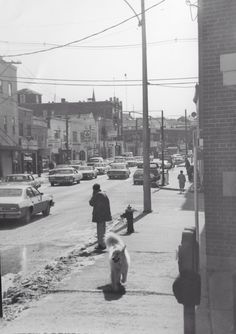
103	51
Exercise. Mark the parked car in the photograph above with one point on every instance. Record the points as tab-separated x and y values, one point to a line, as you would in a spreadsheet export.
102	168
19	201
88	172
67	175
139	175
154	166
119	159
118	171
94	160
131	162
22	178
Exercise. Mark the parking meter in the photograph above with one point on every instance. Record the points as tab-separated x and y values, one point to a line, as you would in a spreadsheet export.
187	286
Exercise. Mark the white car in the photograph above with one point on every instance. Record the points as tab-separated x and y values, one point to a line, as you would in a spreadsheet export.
88	172
67	175
22	202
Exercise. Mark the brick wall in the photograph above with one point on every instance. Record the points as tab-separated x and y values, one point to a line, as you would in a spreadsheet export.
217	115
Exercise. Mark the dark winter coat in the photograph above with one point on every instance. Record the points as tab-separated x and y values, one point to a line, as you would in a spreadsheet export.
101	207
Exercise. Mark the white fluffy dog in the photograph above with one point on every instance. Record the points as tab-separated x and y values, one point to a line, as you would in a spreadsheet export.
119	260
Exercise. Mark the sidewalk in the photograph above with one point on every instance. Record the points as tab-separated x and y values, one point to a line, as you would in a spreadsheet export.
83	303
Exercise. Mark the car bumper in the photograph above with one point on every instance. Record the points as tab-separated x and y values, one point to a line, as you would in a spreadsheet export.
87	177
11	215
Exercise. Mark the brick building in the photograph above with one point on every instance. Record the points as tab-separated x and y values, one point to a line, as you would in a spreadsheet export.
217	118
9	137
107	116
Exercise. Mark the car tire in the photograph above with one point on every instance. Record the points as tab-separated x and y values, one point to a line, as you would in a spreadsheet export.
46	212
27	217
52	184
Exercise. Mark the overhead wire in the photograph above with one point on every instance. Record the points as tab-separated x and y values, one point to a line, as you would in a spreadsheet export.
82	39
167	41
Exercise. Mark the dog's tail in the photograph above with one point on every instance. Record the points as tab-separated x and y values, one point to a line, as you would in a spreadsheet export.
112	239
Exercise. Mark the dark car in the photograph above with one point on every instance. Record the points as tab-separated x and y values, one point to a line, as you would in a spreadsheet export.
139	175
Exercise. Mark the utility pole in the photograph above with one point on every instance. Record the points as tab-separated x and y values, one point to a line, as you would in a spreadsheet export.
67	138
162	149
186	133
146	139
136	136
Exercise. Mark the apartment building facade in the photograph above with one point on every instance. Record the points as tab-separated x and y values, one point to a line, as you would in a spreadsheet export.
9	133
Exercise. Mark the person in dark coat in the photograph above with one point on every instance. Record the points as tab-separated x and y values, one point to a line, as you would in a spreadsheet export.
101	213
182	180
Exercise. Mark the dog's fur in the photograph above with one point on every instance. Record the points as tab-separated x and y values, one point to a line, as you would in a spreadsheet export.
119	260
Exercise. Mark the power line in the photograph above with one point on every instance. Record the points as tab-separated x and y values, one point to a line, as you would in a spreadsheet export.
100	84
81	39
103	80
167	41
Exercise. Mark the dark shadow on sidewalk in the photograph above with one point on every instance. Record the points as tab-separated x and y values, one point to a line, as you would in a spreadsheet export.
169	188
189	201
137	218
109	294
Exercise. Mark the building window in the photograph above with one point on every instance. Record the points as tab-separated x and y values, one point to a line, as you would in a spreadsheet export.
1	86
22	98
64	136
21	130
57	134
5	123
13	125
75	137
9	88
28	130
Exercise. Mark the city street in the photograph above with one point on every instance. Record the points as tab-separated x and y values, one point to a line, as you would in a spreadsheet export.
27	248
81	302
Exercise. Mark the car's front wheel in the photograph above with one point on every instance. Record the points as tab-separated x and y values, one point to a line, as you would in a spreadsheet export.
46	211
52	184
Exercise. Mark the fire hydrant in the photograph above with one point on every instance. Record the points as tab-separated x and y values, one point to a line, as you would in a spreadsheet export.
128	214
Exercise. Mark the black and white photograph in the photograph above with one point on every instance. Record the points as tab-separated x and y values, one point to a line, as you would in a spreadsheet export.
118	167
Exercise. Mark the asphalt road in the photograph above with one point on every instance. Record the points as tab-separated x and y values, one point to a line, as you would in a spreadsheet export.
28	248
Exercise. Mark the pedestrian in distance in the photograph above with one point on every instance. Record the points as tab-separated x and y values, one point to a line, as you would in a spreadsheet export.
101	214
182	180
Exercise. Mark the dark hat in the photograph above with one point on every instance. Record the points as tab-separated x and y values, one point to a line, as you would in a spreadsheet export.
96	186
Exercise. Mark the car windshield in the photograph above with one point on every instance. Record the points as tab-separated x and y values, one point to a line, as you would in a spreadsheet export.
99	165
9	192
86	168
63	171
115	166
153	165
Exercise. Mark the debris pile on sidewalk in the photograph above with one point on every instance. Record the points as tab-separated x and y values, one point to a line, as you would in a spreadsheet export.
22	290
